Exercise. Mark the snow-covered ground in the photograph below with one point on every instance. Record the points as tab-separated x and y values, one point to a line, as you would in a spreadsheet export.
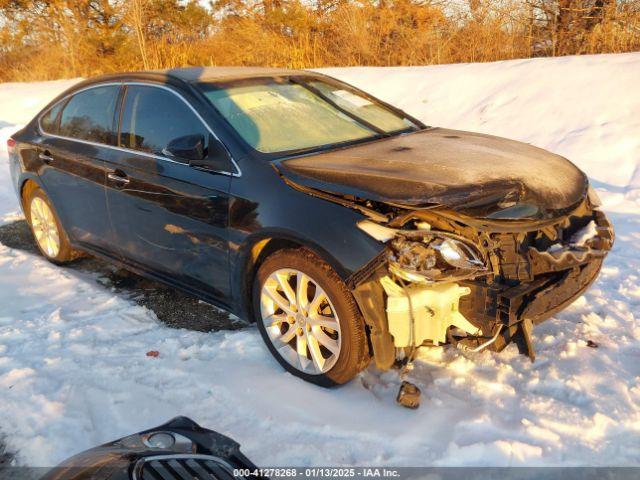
73	369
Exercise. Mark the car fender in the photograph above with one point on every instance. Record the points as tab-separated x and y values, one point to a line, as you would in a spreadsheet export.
21	180
246	258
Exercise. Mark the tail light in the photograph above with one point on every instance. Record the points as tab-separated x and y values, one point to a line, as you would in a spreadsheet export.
11	143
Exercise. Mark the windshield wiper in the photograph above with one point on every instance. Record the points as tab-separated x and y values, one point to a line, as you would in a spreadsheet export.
352	116
331	146
393	133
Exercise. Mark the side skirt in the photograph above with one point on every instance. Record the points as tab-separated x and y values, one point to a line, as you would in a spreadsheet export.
153	275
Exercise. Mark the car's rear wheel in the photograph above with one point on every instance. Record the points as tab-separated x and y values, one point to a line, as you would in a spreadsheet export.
51	239
309	319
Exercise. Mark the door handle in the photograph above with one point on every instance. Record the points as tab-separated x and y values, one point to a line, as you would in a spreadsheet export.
119	178
45	157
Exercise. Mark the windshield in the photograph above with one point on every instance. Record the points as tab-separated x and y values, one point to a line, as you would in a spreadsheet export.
287	114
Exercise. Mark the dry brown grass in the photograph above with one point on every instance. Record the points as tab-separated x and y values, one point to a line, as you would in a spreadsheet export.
64	38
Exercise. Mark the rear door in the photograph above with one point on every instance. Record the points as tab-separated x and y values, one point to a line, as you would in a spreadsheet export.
78	137
168	217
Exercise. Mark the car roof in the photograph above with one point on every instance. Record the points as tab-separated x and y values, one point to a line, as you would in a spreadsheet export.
196	74
192	74
180	76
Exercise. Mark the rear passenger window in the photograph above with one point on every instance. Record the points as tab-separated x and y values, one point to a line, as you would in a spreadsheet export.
49	121
88	115
153	117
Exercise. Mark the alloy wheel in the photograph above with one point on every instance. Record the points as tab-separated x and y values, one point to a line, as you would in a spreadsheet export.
300	321
45	227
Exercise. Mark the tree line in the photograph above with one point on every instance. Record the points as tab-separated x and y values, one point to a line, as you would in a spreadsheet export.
50	39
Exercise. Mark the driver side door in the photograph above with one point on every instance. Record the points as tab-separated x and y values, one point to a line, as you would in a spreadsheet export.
169	218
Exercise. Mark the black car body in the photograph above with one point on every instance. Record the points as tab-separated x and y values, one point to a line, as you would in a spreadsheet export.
439	235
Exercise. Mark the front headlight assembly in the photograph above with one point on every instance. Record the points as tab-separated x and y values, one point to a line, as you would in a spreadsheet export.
430	257
426	256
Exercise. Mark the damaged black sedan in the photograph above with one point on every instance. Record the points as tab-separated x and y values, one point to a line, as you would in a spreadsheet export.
348	230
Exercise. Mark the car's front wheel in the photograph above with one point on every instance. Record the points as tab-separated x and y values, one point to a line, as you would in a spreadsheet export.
309	319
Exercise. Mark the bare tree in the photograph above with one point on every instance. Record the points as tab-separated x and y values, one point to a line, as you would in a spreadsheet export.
137	19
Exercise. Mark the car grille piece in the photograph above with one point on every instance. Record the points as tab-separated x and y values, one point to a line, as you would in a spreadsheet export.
182	467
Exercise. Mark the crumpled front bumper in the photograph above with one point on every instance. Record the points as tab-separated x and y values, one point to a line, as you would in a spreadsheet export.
489	305
558	279
528	285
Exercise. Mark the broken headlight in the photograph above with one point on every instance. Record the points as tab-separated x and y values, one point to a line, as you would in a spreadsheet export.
429	257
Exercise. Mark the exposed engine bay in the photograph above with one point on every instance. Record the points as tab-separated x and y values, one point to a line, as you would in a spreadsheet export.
448	278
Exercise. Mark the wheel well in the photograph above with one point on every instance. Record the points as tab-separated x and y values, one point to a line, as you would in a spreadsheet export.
258	254
27	187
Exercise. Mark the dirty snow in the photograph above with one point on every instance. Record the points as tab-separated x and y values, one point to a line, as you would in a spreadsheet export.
73	369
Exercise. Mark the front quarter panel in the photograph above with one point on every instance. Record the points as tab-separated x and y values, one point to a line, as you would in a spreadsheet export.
264	206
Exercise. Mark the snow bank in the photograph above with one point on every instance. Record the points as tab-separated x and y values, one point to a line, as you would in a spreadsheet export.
73	369
584	108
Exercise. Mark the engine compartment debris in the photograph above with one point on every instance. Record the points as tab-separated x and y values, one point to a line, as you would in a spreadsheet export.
408	395
592	344
475	283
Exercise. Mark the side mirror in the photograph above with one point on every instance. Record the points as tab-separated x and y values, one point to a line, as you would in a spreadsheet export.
217	157
189	147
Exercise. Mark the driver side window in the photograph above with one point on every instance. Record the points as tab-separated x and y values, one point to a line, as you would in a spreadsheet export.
153	118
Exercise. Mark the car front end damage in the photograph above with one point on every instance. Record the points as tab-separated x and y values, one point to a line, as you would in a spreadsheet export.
446	277
483	237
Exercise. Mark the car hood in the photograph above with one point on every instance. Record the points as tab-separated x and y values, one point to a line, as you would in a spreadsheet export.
477	174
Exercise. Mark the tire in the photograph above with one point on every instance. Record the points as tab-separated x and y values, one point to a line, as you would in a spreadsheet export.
39	210
321	364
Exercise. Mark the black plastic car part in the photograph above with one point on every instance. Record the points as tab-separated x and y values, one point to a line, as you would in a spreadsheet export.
179	449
